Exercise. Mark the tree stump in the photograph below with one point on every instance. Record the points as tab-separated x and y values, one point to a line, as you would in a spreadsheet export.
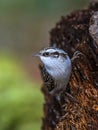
76	33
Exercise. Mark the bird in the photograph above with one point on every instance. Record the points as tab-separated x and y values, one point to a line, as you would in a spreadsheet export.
58	65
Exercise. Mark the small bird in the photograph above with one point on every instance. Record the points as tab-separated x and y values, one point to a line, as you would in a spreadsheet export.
58	64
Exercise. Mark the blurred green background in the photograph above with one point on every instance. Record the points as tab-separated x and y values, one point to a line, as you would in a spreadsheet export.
24	29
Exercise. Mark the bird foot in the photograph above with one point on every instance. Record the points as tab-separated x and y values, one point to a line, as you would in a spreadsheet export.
76	55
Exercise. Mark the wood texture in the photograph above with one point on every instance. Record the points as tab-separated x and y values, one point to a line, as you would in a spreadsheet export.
78	106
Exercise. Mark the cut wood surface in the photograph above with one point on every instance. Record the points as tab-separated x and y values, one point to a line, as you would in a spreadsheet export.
77	109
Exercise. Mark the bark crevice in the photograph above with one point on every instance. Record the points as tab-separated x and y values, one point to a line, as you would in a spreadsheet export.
78	107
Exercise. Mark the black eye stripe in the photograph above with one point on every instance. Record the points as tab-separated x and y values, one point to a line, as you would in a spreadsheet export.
46	54
54	54
63	54
59	54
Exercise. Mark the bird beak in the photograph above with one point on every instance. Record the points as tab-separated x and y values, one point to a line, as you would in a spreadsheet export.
37	54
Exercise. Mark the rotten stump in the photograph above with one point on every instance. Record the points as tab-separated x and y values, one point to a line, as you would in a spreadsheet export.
77	109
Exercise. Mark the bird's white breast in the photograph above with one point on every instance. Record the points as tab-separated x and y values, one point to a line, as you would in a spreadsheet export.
59	69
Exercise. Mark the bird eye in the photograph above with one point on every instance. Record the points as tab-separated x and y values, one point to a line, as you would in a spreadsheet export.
46	54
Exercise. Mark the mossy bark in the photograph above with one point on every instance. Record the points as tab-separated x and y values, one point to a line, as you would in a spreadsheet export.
78	106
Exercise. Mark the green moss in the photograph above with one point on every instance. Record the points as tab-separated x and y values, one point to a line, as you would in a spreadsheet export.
20	100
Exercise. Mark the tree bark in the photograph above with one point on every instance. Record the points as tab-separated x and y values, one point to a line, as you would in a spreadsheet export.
77	109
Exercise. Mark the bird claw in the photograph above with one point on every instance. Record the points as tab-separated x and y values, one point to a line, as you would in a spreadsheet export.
76	55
